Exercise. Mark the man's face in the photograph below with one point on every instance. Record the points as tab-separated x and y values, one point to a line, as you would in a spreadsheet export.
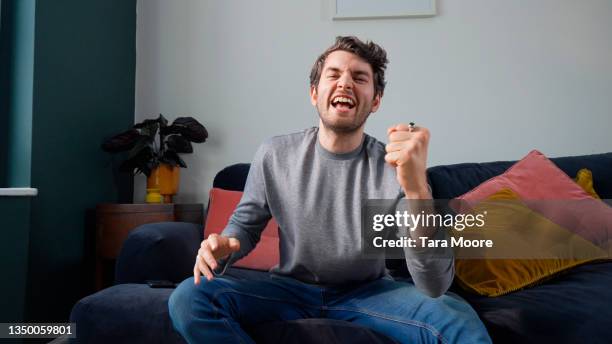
345	97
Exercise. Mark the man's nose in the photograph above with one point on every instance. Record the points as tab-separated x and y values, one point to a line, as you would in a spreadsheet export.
345	81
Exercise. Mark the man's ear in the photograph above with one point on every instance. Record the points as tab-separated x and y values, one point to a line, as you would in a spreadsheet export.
313	95
376	102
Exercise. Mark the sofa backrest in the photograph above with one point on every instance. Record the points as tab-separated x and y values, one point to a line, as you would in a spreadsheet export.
232	177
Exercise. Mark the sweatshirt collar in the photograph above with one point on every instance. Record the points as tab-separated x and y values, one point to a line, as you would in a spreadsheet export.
339	156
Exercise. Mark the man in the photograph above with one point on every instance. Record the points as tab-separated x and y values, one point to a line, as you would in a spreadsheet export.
313	183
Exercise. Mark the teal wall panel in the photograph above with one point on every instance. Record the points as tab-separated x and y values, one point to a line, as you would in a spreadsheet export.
83	92
14	223
67	72
16	78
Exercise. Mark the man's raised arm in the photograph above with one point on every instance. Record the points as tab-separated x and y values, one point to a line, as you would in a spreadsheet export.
432	270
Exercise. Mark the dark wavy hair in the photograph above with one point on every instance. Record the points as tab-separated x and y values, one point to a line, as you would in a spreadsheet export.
371	52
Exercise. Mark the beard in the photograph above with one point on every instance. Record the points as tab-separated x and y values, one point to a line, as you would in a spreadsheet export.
345	126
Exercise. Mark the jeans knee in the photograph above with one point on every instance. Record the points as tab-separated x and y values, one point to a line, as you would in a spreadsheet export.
190	302
180	304
469	328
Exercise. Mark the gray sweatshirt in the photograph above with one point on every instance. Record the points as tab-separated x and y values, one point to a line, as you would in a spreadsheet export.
315	196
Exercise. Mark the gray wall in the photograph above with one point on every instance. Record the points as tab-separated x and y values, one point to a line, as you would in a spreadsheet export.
492	79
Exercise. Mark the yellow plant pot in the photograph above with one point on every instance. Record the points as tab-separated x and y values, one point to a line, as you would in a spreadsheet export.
165	178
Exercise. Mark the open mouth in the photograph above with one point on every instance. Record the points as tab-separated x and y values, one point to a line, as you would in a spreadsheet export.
341	102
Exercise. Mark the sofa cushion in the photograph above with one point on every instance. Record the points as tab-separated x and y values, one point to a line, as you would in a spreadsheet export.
534	233
320	331
552	193
584	178
572	308
221	206
533	177
136	313
536	178
125	313
132	313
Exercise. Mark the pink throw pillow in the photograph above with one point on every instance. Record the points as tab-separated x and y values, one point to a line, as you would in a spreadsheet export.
222	204
535	178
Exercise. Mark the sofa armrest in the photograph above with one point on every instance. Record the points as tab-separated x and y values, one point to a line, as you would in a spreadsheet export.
159	251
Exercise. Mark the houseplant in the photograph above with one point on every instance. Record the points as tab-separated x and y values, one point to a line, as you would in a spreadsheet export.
153	149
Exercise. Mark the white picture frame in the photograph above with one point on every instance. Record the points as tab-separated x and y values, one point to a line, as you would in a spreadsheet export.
380	9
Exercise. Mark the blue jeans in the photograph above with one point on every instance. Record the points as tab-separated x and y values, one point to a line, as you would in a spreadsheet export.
213	312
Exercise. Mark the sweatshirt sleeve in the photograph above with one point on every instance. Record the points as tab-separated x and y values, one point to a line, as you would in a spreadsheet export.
432	269
251	215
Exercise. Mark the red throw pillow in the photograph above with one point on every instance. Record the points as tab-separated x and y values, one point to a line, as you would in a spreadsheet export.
535	178
222	204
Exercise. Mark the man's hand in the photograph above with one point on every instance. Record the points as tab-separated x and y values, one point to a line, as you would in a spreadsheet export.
407	152
211	249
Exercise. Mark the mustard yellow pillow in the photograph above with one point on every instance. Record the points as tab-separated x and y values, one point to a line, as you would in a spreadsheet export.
584	178
495	277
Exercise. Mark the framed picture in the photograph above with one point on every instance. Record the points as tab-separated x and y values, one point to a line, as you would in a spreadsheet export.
369	9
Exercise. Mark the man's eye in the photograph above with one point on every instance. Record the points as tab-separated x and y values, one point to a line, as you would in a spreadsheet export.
332	76
361	80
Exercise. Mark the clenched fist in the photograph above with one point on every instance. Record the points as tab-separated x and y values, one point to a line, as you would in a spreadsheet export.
211	249
407	152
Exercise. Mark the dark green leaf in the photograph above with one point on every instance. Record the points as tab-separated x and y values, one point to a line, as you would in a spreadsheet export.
172	158
181	162
141	161
150	130
143	143
179	144
163	122
190	128
121	142
145	123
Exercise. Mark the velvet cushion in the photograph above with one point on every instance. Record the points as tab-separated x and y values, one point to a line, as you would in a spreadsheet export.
533	177
222	204
529	181
584	178
510	221
549	191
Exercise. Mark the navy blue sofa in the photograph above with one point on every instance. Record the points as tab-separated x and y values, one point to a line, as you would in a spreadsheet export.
571	308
